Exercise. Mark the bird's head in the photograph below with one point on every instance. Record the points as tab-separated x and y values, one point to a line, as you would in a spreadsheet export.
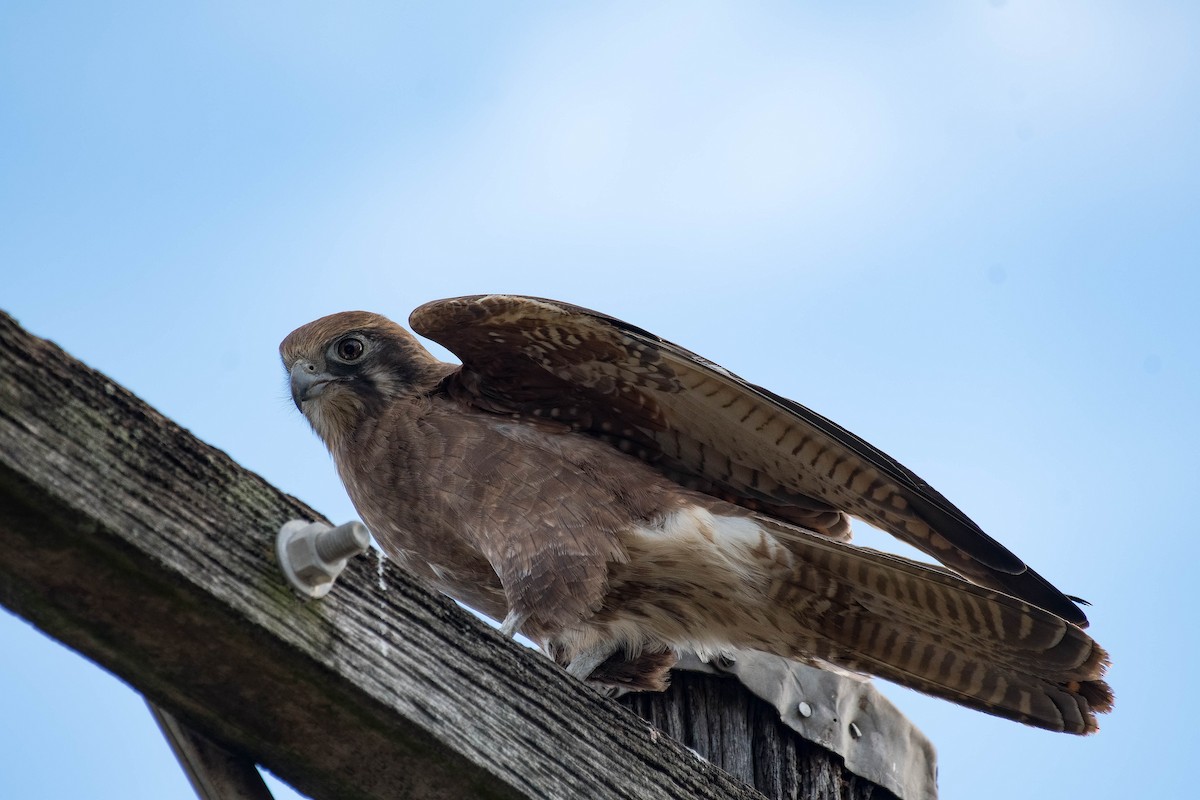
349	366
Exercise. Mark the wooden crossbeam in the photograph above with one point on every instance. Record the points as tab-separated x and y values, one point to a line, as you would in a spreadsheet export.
151	553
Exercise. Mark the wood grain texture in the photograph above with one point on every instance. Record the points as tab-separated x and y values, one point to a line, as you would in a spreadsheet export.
214	772
723	722
151	553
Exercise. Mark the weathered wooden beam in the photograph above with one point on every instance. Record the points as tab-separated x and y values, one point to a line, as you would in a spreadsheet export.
722	721
214	772
151	553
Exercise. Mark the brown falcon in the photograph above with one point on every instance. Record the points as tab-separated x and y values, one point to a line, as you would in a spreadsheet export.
619	499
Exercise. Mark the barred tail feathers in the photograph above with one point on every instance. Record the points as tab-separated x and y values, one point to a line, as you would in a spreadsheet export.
930	630
702	581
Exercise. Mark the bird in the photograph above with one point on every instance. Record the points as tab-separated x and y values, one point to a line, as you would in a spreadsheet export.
620	500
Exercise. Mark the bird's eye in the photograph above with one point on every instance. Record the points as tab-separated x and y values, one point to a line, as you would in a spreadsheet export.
350	349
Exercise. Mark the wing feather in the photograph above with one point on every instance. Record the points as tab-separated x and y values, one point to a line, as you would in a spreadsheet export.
707	428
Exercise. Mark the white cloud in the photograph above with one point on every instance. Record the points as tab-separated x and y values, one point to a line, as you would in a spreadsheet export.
632	121
734	133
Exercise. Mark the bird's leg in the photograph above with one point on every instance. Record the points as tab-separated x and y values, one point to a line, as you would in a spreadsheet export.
584	664
513	622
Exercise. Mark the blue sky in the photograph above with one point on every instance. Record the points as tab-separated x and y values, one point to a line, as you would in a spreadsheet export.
968	231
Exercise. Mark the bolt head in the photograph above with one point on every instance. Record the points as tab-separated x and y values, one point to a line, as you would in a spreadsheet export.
306	563
303	567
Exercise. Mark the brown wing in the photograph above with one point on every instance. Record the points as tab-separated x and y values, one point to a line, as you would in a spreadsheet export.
707	427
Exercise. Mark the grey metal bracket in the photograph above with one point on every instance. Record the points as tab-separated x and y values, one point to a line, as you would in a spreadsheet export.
312	554
842	712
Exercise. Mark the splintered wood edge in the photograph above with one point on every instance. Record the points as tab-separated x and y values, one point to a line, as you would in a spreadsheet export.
151	553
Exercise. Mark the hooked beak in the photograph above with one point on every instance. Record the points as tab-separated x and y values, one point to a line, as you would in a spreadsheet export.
307	383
